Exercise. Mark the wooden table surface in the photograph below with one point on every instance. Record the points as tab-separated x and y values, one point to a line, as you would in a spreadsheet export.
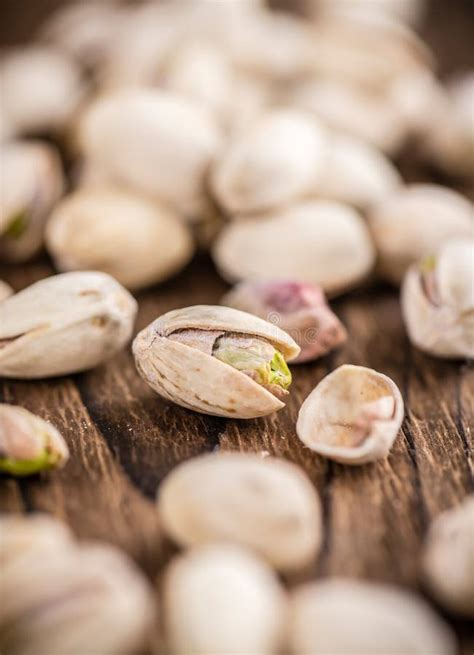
124	439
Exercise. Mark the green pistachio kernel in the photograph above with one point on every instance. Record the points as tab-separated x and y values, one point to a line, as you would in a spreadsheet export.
428	264
17	225
44	461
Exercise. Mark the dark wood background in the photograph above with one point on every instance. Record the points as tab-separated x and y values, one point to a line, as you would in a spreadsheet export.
124	439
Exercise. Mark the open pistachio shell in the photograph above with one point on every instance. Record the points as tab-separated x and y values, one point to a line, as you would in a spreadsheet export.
353	415
193	377
320	242
268	505
437	300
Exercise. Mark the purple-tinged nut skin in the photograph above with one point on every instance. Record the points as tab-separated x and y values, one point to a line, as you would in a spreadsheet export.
299	308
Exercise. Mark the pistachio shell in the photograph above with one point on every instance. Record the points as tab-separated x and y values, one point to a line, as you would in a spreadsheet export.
268	505
196	380
437	300
5	290
448	558
376	619
169	143
406	11
64	324
222	599
136	241
271	162
353	415
412	223
320	242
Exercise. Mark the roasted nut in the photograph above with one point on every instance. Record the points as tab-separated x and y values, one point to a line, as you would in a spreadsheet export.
41	89
64	324
136	241
32	182
60	597
270	163
216	360
222	599
320	242
158	131
414	222
353	415
27	443
376	618
438	301
298	308
5	290
268	505
448	558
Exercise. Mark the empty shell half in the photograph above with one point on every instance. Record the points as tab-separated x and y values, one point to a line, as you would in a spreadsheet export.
353	415
268	505
216	360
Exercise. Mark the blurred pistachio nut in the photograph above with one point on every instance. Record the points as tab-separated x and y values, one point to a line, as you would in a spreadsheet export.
405	11
5	290
64	324
222	599
38	533
298	308
320	242
272	162
448	559
136	241
41	89
28	444
413	222
82	598
377	619
169	142
268	505
437	300
32	182
216	360
352	416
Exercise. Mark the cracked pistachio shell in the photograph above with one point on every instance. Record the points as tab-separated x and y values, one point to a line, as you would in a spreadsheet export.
270	163
196	380
65	597
268	505
136	241
376	619
320	242
437	301
413	222
5	290
169	142
32	182
222	599
28	444
64	324
352	416
356	173
448	558
41	89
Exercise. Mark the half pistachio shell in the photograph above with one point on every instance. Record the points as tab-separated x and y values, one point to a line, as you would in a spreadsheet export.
353	416
193	377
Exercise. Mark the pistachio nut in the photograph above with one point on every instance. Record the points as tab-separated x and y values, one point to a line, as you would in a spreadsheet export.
298	308
413	222
448	558
438	301
32	182
136	241
27	443
158	131
406	11
356	173
5	290
268	505
41	89
216	360
61	597
272	162
320	242
64	324
377	618
352	416
222	599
